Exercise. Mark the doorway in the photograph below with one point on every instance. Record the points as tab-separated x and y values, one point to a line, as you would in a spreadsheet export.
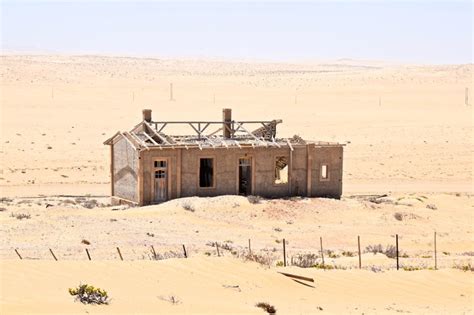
245	176
160	181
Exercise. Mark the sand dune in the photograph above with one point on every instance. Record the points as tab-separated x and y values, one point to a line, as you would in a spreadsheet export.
228	286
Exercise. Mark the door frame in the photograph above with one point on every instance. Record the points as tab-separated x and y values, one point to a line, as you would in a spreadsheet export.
237	180
168	178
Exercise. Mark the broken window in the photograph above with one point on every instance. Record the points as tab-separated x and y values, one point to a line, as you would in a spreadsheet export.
160	174
206	172
281	170
324	171
160	163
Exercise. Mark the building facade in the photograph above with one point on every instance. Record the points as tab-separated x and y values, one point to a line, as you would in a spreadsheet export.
148	166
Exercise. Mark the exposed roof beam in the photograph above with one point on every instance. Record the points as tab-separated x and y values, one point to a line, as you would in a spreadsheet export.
128	140
157	134
289	144
140	141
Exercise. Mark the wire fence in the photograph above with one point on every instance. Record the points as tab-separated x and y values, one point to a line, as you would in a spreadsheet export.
389	257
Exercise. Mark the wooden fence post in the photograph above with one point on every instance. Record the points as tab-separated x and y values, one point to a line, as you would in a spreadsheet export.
16	251
184	250
435	252
284	253
322	253
120	254
250	248
358	245
217	247
88	255
153	252
54	256
396	245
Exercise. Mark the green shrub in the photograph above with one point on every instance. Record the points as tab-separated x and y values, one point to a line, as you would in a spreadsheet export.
88	294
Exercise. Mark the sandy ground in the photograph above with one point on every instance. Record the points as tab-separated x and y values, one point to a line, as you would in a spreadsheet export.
408	134
229	286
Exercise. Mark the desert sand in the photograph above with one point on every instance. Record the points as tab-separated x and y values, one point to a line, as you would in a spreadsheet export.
409	136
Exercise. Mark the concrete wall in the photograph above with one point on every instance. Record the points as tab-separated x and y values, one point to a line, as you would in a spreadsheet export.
125	170
183	170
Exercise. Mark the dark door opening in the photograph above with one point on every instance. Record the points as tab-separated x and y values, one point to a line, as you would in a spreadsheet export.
245	176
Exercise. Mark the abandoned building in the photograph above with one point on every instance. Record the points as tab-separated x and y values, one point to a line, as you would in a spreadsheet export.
150	166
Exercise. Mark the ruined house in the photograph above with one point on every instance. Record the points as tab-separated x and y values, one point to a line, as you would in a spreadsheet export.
225	157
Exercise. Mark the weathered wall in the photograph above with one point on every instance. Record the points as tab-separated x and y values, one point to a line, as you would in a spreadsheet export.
226	171
332	156
125	170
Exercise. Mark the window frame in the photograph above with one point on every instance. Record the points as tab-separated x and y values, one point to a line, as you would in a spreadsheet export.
321	178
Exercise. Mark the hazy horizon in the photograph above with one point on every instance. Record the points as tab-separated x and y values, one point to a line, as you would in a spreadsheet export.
422	32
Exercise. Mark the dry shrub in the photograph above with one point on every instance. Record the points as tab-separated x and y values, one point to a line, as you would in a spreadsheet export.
172	299
85	242
3	209
90	204
270	309
390	251
265	259
254	199
5	200
304	260
226	245
68	202
188	206
398	216
165	255
467	267
20	216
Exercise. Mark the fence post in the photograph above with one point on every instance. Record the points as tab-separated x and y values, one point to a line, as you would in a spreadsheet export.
250	248
120	254
16	251
284	253
435	253
322	253
54	256
217	247
184	250
153	252
88	255
358	245
396	245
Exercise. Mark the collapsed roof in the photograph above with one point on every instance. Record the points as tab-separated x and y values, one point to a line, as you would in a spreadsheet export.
150	134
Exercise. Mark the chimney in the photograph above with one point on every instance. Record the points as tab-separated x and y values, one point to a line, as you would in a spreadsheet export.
226	122
147	115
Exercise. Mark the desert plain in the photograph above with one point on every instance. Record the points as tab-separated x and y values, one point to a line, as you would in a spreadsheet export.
408	167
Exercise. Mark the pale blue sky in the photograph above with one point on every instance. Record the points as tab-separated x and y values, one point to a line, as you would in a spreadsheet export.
409	31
